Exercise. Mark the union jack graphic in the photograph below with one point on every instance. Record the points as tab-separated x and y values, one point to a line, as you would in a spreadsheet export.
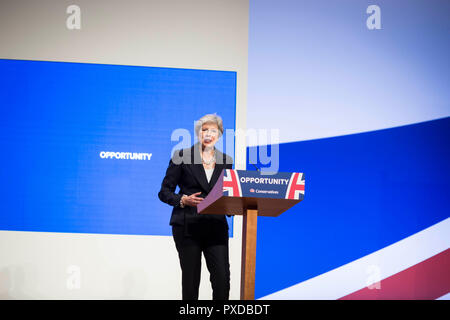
296	186
231	184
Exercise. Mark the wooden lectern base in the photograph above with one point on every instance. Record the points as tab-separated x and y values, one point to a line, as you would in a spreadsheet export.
234	196
248	254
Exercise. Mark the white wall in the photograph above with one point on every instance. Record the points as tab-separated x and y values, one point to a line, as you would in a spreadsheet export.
198	34
326	74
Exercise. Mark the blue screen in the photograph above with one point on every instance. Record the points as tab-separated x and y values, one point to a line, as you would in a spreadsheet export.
60	119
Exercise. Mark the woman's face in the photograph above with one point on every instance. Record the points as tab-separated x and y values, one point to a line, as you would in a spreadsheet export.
209	134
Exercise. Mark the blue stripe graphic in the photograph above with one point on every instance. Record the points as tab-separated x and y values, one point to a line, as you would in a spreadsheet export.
363	192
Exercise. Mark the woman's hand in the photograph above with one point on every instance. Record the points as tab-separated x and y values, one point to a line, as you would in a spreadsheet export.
191	200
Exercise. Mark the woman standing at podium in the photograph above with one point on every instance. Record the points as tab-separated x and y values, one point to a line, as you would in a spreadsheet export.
195	170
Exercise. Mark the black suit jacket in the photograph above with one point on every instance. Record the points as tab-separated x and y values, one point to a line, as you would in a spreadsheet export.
186	171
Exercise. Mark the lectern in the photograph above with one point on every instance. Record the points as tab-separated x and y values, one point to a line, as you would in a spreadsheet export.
252	194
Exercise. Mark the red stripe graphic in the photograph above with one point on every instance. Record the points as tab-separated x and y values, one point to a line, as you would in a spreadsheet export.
427	280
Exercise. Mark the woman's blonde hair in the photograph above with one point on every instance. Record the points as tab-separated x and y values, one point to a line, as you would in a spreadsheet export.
209	118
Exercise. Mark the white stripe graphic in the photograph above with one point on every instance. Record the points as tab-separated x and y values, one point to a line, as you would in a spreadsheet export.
444	297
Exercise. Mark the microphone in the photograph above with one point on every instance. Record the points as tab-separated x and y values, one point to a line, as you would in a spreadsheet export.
257	168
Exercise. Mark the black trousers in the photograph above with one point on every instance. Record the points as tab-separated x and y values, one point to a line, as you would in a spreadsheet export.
211	239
